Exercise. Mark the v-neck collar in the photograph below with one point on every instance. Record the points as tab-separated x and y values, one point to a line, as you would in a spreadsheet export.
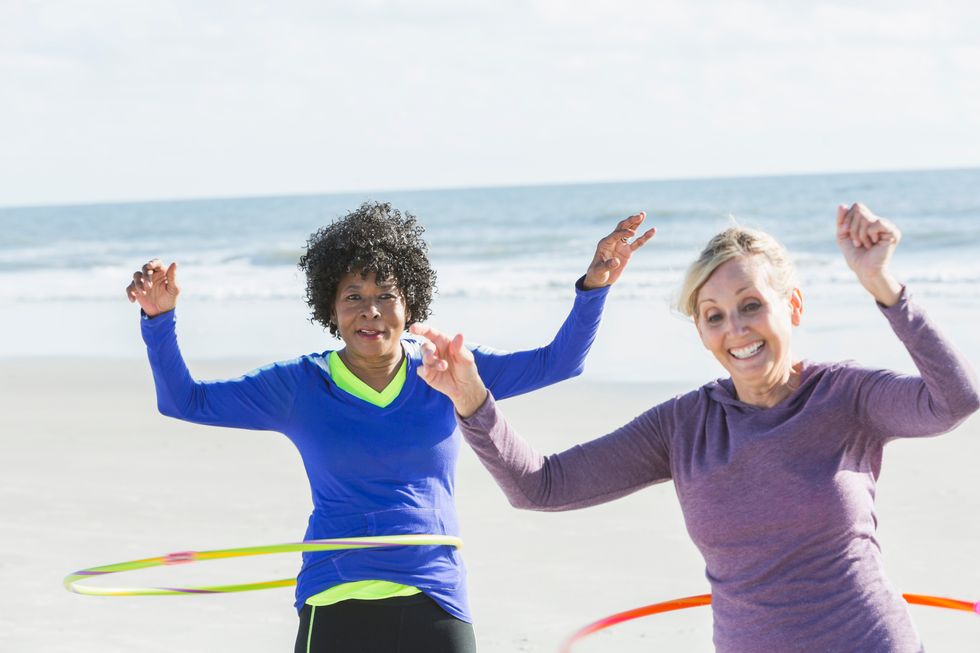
352	384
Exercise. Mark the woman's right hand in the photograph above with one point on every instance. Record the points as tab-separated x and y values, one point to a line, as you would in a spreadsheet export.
154	288
450	368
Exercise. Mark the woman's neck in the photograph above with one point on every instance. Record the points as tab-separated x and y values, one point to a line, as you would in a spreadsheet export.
770	391
375	372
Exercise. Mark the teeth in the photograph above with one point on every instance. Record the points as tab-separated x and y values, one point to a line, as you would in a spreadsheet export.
746	351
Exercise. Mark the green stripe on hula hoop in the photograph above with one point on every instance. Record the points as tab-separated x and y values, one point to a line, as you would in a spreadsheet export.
72	581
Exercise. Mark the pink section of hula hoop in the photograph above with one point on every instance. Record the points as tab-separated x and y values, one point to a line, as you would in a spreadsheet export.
179	558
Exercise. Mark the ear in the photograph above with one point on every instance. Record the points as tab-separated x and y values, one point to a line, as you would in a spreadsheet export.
796	306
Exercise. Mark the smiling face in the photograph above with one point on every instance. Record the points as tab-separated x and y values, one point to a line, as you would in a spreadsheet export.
748	325
370	317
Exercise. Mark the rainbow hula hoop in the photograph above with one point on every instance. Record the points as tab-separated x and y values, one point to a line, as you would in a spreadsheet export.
183	557
705	599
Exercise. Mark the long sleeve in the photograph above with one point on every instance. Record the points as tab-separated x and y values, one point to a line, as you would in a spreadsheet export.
507	374
261	399
620	463
945	393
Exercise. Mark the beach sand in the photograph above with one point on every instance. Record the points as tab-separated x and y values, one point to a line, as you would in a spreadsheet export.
91	474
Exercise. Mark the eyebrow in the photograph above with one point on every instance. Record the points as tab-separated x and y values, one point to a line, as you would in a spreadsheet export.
357	286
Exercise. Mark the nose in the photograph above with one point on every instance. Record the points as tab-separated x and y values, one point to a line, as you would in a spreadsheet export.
736	324
369	309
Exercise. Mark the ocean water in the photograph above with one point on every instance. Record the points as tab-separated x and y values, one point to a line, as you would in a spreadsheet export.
506	259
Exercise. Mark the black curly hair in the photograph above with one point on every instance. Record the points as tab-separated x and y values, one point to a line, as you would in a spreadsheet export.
374	238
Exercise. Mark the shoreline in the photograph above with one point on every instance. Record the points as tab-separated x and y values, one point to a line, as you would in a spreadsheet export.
637	342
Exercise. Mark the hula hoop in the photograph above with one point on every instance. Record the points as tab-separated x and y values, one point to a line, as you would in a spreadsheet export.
183	557
705	599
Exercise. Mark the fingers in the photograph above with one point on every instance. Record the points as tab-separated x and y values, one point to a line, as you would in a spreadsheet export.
620	236
143	278
431	360
438	338
883	231
139	282
611	264
631	223
154	274
616	237
435	349
625	229
642	240
859	230
460	352
843	224
862	227
614	251
440	353
172	279
154	266
439	345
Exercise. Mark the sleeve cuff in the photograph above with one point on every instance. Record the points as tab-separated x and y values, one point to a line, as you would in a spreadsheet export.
484	416
582	291
168	315
901	306
155	328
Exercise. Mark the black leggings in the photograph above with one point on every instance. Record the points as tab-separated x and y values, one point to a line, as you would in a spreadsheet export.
402	624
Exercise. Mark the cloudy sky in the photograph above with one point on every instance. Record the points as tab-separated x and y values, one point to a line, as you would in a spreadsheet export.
109	100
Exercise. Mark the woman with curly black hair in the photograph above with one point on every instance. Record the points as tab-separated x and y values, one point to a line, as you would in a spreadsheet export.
379	445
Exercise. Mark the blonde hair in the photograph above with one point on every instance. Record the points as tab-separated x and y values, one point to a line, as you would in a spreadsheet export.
736	242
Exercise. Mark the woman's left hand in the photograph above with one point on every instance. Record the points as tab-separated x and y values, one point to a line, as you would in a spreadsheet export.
450	368
868	242
614	251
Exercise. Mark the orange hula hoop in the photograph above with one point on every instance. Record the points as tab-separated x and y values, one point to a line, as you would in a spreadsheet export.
705	599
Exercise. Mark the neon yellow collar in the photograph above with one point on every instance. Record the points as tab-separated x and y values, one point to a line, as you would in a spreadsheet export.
347	381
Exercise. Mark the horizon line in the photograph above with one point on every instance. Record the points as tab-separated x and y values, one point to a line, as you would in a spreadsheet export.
501	186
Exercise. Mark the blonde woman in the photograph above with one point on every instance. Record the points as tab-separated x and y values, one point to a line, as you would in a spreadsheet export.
775	467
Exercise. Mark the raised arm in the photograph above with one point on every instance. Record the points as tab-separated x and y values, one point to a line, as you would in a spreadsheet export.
604	469
943	394
512	373
261	399
897	405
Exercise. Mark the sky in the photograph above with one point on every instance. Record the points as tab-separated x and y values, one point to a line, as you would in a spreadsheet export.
111	100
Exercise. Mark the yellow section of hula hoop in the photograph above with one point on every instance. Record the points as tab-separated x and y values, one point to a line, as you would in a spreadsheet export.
72	581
